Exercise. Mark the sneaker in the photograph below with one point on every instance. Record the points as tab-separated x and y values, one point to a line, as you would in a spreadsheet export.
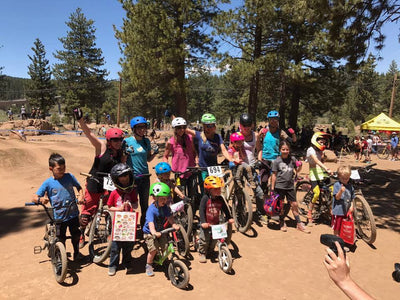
202	258
112	270
78	256
301	227
149	270
283	226
263	219
82	241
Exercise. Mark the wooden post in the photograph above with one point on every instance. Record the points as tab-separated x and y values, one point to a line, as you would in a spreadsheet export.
119	101
393	95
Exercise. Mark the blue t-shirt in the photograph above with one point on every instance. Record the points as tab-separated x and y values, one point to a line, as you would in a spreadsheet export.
340	207
270	149
394	141
208	151
61	193
137	158
157	215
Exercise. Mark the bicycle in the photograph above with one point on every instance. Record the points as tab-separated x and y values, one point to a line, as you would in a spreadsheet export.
178	272
225	260
56	249
384	151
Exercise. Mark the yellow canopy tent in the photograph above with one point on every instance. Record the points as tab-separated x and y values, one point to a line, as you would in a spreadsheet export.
381	122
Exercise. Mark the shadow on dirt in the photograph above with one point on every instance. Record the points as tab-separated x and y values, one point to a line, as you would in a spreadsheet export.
382	194
20	218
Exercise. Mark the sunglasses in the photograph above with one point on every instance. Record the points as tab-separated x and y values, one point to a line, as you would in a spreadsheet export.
180	127
210	125
116	140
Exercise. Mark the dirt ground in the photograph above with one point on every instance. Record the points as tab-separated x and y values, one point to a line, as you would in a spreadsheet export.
268	263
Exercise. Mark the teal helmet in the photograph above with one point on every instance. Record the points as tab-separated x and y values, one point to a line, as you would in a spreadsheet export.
208	119
160	189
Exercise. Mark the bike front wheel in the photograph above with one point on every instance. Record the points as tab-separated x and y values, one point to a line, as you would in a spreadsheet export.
59	262
181	241
364	219
383	153
178	274
100	237
225	259
304	195
185	218
242	210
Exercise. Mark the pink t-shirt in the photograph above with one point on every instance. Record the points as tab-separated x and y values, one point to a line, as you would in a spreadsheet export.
182	158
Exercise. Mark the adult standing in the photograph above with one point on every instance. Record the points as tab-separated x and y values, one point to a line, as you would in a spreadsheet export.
138	148
394	142
250	141
23	112
107	155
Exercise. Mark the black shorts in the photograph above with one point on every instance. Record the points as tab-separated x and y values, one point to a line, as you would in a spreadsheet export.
289	194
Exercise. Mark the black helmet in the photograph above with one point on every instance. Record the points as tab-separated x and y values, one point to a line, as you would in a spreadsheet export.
246	119
119	170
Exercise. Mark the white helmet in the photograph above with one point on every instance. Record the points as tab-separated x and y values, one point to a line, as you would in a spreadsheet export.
178	122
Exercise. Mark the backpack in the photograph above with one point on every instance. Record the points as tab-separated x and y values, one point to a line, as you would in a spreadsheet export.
273	205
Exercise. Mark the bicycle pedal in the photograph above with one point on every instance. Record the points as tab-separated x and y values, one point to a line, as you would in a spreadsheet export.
37	249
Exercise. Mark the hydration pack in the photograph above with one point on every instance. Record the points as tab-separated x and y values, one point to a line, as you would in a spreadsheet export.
273	205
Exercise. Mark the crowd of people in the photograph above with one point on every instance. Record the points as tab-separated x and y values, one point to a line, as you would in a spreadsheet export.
126	159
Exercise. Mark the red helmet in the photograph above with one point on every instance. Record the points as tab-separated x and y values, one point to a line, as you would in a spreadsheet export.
114	133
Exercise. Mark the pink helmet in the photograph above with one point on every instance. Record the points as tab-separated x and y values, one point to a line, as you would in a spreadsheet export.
237	136
114	133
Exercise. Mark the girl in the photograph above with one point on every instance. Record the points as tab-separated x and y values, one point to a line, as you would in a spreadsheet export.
238	155
357	148
282	183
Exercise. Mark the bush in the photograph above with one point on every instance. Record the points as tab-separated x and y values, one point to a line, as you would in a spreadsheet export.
55	119
350	127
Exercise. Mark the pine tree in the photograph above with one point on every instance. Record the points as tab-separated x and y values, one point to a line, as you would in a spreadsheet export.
41	91
80	71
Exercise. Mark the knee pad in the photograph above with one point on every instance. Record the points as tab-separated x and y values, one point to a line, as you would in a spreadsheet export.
84	220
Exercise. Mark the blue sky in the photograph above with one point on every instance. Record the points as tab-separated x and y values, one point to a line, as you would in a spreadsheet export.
22	21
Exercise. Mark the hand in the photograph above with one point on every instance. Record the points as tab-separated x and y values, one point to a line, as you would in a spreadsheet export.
338	267
238	161
158	234
298	163
291	131
44	201
176	227
342	188
78	113
272	192
81	201
205	225
231	221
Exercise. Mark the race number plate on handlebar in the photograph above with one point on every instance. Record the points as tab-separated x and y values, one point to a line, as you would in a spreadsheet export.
355	175
219	231
108	184
215	171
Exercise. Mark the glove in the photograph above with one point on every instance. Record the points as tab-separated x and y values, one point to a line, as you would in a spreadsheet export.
231	165
78	113
291	131
298	163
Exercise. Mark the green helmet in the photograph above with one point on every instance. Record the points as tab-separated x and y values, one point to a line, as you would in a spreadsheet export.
208	119
160	189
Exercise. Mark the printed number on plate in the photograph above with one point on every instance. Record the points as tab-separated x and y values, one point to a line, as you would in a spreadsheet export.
108	184
215	171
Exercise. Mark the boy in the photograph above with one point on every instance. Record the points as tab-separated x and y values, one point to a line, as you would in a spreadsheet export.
59	191
123	198
156	215
343	195
210	209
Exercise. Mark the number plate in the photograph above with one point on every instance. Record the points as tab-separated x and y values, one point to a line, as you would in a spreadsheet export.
355	175
108	184
215	171
219	231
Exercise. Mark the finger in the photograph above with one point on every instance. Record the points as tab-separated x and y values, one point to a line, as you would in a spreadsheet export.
340	251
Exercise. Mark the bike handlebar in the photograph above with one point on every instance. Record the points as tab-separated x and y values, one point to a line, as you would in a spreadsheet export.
165	231
47	209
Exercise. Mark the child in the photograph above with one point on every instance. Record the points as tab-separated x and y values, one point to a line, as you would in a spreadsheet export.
282	183
59	190
210	208
239	157
163	172
123	198
315	158
343	195
156	215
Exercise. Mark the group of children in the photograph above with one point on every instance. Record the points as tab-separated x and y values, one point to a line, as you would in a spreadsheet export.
59	190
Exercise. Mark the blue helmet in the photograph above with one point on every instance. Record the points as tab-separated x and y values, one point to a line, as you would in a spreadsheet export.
138	120
273	114
162	168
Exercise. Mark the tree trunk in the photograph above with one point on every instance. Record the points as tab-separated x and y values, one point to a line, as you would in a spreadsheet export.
180	93
294	106
282	100
253	95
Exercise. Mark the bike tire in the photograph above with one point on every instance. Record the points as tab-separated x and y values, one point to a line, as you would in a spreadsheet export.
382	153
59	262
304	195
100	237
178	273
364	219
185	218
225	259
242	210
181	241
